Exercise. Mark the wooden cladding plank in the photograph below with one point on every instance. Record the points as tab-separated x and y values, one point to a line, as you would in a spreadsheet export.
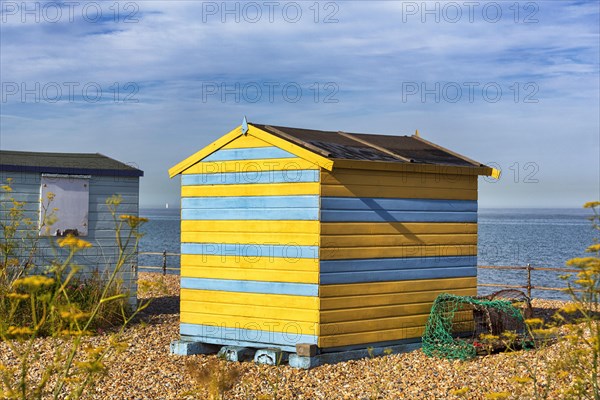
383	264
257	299
251	177
288	250
357	289
276	164
409	192
396	216
268	275
257	153
274	325
267	214
306	239
250	335
346	253
274	189
231	261
250	226
248	310
250	202
246	141
230	285
387	204
396	240
396	275
342	302
380	324
398	178
366	313
393	228
371	337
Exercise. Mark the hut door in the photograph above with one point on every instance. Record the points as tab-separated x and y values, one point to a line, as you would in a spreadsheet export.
69	205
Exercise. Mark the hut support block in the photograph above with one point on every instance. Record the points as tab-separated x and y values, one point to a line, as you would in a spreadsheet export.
304	362
236	353
188	348
270	356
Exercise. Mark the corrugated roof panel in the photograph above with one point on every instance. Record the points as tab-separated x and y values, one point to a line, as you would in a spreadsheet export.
65	163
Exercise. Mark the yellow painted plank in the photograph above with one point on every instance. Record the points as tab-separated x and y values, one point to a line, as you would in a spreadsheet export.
256	299
395	240
276	227
390	178
204	152
408	192
390	228
251	311
246	142
333	303
464	321
274	164
267	275
343	253
301	239
356	289
269	189
371	337
301	152
233	261
366	313
272	325
412	167
341	328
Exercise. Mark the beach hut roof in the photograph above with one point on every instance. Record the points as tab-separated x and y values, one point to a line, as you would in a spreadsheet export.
348	150
65	163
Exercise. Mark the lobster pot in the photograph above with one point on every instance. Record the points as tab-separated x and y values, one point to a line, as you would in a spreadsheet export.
294	236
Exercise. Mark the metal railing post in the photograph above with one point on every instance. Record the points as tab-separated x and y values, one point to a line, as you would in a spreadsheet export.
529	280
164	254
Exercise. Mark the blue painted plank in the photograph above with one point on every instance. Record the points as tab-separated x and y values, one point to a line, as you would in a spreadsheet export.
251	177
372	203
257	153
286	340
262	214
231	285
303	201
399	275
382	264
289	251
396	216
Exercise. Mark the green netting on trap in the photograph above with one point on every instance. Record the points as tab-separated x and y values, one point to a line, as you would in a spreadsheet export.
452	315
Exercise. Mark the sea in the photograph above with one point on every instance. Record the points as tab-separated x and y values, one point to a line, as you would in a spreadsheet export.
506	237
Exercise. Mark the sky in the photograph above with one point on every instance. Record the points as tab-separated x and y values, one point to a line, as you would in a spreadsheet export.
512	84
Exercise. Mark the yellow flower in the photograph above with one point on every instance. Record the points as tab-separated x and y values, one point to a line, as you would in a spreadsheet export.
73	242
73	315
591	204
460	392
497	395
521	379
69	332
19	331
33	282
114	200
133	220
570	308
534	321
6	188
593	248
18	296
91	366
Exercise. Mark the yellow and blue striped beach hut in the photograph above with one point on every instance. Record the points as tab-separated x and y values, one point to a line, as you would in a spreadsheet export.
336	240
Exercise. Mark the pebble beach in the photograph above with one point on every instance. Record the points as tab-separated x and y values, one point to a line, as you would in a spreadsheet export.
146	370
